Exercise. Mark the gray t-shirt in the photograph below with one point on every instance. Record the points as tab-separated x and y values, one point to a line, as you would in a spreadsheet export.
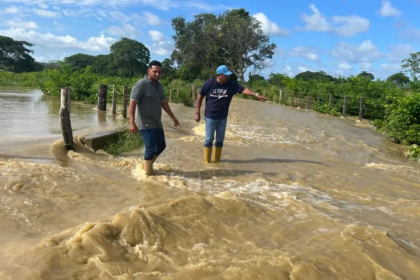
149	98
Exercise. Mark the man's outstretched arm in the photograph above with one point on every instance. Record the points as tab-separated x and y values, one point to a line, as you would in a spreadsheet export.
249	92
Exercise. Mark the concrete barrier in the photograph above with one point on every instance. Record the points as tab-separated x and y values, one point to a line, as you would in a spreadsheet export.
98	140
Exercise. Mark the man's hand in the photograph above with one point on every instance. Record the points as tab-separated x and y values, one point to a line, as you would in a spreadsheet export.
261	97
176	122
133	128
197	117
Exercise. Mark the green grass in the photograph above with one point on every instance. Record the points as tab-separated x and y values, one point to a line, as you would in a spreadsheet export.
125	142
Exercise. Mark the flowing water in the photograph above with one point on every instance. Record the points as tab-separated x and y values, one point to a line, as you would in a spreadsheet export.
298	195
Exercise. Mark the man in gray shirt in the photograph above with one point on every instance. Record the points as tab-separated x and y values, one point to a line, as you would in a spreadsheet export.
147	94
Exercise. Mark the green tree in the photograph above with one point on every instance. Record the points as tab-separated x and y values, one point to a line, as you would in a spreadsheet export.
104	65
278	79
254	78
399	79
130	56
79	61
314	76
411	65
366	75
233	38
15	55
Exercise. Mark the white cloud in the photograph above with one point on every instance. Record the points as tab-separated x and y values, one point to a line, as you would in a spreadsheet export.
365	66
305	52
17	22
94	44
158	4
387	10
127	30
288	71
343	25
156	35
303	69
163	48
43	6
351	25
12	10
365	52
316	21
268	26
59	25
390	68
46	13
152	19
400	52
412	33
344	66
120	16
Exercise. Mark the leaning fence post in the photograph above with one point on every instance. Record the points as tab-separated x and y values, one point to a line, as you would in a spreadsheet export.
170	92
193	92
65	119
102	94
361	108
344	105
330	102
114	100
125	103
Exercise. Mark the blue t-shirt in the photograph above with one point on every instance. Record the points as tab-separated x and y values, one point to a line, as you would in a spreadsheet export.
218	97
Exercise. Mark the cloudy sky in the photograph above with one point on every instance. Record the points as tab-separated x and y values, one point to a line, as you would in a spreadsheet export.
337	36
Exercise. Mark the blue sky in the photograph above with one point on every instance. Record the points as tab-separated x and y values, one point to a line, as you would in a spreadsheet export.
340	37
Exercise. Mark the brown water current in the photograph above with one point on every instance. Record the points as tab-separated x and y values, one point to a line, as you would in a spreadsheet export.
298	195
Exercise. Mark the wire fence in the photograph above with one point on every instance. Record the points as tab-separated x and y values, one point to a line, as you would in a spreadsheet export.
344	105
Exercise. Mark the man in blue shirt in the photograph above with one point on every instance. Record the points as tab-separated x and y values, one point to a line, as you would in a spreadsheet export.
218	92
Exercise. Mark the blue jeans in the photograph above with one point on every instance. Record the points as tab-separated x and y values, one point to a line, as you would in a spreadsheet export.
154	142
212	126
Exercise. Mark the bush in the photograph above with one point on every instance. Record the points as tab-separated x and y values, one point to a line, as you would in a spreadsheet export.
414	153
402	122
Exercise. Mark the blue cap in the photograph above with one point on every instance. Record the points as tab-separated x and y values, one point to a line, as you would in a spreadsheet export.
223	69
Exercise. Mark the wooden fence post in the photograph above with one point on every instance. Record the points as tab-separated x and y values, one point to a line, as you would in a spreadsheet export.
330	102
114	100
125	103
293	97
280	96
194	97
308	103
170	92
318	100
361	108
65	119
102	94
300	100
344	105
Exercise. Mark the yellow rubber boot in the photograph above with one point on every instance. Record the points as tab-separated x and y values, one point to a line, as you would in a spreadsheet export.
217	154
148	167
207	154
